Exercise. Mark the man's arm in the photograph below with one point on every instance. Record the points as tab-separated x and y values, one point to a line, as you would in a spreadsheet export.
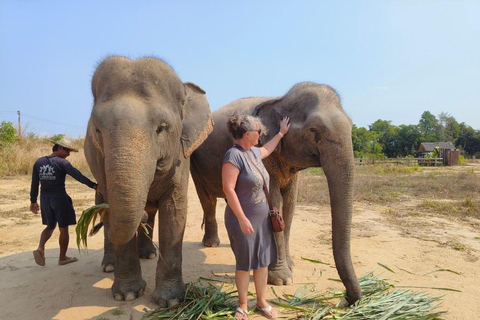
77	175
34	191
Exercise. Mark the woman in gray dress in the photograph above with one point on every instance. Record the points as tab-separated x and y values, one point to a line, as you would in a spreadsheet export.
246	215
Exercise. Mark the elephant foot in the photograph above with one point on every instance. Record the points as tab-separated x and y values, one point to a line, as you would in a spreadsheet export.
108	268
108	264
211	241
166	296
290	263
147	251
280	274
128	291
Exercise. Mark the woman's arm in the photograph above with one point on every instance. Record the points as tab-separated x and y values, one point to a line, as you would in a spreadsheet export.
268	148
229	180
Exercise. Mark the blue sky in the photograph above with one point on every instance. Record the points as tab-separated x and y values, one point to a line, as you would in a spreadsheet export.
389	60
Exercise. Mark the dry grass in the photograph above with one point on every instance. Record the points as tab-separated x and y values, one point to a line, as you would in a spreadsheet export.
441	190
18	159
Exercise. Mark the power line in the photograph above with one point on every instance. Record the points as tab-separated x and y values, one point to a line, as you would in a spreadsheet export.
52	121
34	117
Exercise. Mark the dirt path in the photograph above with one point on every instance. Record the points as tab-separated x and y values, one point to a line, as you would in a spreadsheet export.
414	250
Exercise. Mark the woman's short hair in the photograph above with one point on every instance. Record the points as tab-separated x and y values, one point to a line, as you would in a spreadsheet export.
239	124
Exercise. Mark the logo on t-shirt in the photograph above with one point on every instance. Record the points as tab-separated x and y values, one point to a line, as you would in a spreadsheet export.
47	172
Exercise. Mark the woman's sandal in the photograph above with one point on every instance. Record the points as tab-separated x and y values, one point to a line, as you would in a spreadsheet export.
268	312
241	314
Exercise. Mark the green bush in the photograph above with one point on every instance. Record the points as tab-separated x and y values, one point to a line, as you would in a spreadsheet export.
57	137
7	133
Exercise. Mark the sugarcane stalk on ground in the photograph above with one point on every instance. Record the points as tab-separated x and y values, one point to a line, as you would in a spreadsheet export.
380	300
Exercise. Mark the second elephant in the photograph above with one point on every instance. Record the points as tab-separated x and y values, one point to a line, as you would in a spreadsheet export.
319	136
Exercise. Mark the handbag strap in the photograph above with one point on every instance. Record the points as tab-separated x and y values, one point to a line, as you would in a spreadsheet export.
267	194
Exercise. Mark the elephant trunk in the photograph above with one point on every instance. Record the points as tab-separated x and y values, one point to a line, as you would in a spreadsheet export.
128	178
338	167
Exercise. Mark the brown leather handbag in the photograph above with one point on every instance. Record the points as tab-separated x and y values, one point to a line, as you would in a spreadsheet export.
278	224
277	220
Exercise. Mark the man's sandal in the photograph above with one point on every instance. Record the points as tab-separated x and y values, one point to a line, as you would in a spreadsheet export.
39	257
268	312
241	314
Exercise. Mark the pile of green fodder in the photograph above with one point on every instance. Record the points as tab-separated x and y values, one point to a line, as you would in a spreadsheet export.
380	300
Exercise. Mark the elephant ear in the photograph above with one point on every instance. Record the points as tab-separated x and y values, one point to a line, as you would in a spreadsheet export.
197	119
270	115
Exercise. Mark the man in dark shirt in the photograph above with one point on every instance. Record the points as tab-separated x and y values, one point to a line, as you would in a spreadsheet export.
56	204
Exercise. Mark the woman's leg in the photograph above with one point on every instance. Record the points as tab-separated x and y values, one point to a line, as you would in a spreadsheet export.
242	279
260	278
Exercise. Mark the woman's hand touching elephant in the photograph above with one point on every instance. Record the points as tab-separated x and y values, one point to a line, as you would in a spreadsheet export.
268	147
284	126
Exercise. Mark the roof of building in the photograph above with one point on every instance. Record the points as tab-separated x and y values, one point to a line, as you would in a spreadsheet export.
430	146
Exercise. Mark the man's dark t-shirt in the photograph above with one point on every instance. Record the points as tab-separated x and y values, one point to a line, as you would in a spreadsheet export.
50	172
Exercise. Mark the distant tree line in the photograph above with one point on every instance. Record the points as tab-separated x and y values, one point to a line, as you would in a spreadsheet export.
382	139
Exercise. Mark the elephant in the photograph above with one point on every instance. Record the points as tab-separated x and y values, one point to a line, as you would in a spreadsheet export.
319	136
144	125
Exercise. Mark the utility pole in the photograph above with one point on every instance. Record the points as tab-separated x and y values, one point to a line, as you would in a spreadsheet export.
19	124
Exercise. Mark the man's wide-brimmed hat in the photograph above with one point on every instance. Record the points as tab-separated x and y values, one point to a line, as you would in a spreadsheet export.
66	143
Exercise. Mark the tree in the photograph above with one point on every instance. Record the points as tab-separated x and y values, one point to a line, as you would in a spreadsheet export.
365	143
408	139
448	128
468	139
7	133
386	136
427	126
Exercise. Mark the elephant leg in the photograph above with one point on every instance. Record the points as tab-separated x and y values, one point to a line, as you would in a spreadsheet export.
281	272
289	202
210	239
172	217
209	203
108	261
145	246
128	283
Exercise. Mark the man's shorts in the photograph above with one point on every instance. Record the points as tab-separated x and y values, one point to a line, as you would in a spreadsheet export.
57	209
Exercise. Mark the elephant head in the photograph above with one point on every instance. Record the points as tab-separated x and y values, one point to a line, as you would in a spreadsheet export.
144	122
319	136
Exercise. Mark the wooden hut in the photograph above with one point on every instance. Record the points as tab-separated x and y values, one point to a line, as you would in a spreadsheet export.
448	152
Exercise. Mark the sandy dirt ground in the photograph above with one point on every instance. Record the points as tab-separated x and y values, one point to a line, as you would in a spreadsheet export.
415	251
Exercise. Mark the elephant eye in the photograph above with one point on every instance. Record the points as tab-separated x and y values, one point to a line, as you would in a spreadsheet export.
316	134
161	127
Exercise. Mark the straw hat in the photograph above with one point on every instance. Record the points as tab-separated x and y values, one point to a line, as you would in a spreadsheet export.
66	143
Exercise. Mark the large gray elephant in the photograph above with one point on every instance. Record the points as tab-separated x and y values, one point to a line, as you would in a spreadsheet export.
319	136
144	125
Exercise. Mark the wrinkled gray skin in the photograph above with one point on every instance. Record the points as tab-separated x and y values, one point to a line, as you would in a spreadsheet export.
144	125
319	136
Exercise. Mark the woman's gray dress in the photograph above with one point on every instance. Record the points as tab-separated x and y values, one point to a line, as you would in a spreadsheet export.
257	250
